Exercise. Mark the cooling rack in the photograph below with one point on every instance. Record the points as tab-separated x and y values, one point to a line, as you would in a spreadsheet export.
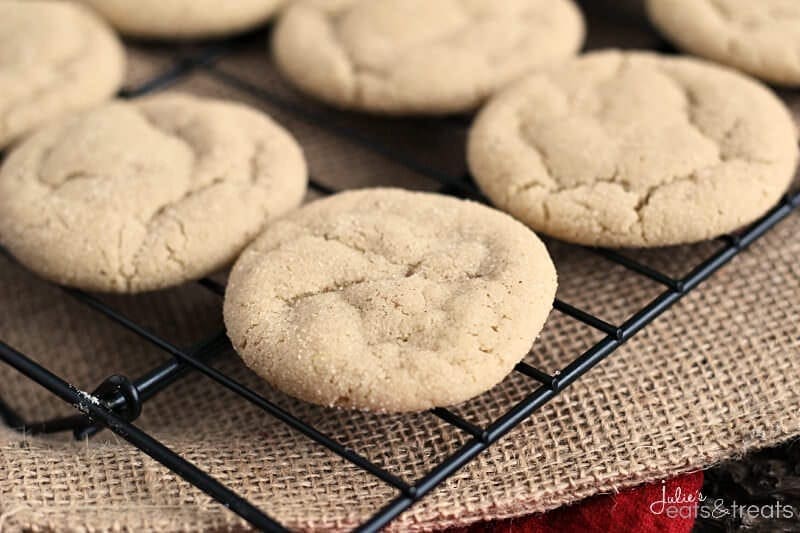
118	401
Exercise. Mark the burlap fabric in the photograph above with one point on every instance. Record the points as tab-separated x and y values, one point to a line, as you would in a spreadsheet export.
715	377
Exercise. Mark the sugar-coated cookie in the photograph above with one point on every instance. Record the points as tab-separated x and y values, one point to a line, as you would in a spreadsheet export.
420	56
634	149
184	19
55	57
760	37
389	300
142	195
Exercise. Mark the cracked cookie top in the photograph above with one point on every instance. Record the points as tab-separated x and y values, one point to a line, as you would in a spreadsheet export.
634	149
55	57
142	195
420	56
389	300
760	37
184	19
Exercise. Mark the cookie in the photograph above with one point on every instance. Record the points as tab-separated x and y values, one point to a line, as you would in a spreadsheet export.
760	37
55	57
634	149
420	56
142	195
184	19
389	300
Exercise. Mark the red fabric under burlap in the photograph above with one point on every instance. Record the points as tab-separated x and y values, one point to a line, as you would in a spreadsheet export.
713	378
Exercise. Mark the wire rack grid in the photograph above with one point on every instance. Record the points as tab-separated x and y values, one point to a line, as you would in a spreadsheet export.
119	400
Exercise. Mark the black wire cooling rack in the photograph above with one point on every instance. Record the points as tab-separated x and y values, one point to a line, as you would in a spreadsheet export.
119	400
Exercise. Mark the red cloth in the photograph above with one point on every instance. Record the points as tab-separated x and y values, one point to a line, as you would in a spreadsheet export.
637	510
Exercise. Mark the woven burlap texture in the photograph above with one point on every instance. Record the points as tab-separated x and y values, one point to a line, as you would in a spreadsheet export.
713	378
